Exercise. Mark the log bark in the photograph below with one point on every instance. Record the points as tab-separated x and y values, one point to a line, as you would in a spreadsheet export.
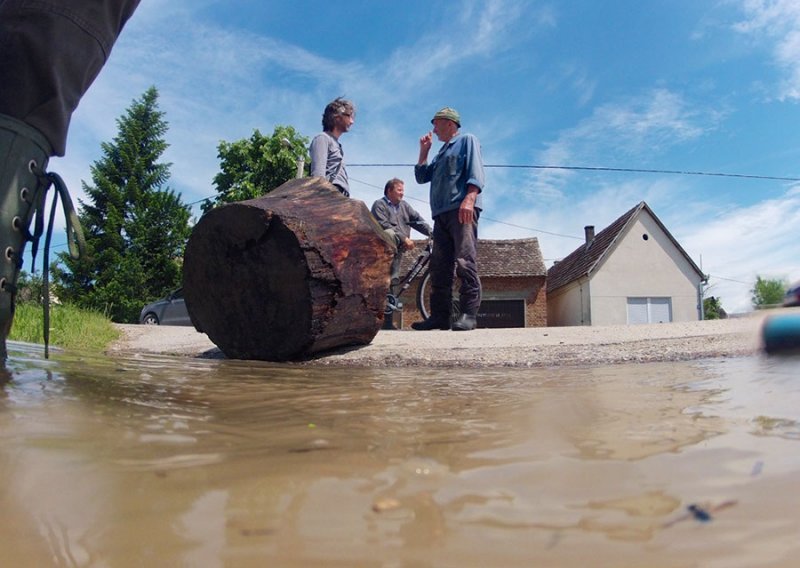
296	272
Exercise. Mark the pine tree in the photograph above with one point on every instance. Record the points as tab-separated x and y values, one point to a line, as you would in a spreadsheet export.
712	308
136	228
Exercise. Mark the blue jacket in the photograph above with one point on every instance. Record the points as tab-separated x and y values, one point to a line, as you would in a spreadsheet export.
458	164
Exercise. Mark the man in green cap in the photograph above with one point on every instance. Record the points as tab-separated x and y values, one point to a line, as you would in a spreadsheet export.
457	180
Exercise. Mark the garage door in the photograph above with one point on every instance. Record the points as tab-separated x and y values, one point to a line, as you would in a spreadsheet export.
649	310
502	313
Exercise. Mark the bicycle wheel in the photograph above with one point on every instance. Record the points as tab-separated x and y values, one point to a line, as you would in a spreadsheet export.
424	297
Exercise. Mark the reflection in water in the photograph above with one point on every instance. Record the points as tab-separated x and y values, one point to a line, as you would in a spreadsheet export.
195	462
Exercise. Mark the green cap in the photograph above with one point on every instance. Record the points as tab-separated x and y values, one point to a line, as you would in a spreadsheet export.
449	114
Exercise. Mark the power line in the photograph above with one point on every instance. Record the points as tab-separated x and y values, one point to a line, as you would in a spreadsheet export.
410	198
729	279
548	167
603	169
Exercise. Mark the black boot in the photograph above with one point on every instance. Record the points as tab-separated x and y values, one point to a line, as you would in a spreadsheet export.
24	153
465	323
431	323
388	321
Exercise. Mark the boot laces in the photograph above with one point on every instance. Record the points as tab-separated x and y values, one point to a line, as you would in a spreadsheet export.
75	239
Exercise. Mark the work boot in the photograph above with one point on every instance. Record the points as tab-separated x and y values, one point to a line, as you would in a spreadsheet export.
24	153
430	323
465	323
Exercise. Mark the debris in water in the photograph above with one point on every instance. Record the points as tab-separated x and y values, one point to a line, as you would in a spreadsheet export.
701	513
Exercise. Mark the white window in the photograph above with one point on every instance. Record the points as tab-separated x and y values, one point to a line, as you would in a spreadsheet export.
649	310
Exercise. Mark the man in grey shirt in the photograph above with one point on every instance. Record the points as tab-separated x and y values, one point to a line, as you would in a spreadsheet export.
397	218
327	156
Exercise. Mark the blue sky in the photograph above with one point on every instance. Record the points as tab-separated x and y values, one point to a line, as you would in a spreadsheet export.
678	85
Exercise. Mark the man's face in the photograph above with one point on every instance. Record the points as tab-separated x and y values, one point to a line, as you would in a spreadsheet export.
395	193
345	121
444	128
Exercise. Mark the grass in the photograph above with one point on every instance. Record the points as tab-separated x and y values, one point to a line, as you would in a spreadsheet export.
70	327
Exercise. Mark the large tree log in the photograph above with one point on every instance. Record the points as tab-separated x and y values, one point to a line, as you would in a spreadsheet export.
298	271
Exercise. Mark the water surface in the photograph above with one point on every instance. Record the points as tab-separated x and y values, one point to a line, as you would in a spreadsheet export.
182	462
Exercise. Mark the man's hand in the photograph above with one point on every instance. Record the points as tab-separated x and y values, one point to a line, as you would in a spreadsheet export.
425	143
466	212
408	244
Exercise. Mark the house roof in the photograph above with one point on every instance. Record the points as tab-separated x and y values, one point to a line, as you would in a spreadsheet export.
512	257
584	259
497	258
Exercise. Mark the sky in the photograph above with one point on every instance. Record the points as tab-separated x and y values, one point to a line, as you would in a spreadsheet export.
709	88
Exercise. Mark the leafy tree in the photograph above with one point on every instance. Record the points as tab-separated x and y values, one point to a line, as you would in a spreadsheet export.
712	308
767	292
30	287
257	165
136	228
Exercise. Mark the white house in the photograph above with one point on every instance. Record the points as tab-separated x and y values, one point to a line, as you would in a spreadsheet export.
633	271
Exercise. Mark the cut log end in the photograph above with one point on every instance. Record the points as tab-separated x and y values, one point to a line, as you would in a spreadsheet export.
296	272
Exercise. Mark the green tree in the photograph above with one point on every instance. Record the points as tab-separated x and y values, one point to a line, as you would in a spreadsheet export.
136	228
712	308
30	287
253	166
767	292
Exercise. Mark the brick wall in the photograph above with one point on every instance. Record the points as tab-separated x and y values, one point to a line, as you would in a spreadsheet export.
532	289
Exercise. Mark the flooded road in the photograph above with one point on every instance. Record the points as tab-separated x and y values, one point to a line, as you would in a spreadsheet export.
184	462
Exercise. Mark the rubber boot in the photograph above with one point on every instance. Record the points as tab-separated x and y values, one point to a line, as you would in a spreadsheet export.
388	321
24	153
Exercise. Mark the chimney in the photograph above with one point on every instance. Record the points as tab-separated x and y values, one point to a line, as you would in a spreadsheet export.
589	230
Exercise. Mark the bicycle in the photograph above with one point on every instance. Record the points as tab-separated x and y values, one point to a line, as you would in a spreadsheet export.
423	294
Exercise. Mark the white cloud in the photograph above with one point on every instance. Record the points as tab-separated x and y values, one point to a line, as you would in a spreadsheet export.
744	242
777	21
484	30
624	133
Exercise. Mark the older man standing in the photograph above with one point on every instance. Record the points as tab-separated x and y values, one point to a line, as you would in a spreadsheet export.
457	180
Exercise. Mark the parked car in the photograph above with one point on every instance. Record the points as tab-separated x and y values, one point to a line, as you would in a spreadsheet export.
792	296
167	311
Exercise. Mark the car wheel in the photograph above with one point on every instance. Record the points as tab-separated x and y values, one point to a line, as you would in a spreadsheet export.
150	319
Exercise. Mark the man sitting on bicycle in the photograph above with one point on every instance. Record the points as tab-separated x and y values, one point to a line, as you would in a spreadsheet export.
397	218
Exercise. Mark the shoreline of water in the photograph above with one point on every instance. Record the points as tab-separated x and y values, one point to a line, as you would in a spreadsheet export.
487	348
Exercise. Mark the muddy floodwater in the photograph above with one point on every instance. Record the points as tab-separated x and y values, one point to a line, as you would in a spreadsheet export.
155	461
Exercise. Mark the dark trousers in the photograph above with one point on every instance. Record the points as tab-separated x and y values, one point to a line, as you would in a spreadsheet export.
50	53
454	244
394	278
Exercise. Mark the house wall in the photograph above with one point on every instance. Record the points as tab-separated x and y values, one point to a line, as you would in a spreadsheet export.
651	267
570	304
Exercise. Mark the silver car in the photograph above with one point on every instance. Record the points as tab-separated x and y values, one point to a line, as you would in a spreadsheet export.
792	296
167	311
